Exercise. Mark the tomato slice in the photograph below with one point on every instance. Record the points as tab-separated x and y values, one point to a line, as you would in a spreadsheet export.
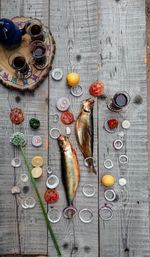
96	89
67	118
16	116
51	196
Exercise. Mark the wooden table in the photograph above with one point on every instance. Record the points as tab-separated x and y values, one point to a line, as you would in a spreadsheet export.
103	40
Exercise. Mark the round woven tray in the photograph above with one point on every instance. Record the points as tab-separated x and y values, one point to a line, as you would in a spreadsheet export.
8	75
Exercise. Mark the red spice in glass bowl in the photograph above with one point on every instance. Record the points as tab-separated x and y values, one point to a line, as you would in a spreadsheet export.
113	123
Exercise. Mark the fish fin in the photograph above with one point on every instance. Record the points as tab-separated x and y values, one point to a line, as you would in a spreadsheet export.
74	151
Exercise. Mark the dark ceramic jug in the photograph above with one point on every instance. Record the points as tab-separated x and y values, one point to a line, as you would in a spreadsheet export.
10	34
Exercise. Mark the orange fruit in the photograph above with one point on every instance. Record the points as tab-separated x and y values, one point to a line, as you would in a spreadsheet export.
72	79
108	180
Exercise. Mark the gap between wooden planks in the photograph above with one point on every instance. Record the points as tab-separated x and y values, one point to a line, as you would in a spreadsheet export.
147	61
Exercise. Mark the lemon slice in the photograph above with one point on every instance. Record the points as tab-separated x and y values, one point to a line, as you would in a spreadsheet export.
37	161
36	172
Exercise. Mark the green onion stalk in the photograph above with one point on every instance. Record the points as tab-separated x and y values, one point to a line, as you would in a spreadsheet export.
18	139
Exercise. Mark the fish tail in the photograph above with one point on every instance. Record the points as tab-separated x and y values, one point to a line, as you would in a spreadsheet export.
91	166
92	169
69	211
70	214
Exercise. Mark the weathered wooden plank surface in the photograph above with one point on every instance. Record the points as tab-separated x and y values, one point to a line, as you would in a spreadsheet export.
18	255
22	231
9	230
122	50
98	39
147	61
73	24
33	230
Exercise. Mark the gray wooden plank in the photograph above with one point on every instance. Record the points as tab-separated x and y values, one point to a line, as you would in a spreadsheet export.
74	26
9	239
33	231
31	225
147	61
147	58
18	255
122	50
10	255
121	44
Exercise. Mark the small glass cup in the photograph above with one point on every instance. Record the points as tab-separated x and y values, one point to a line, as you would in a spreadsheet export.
18	62
35	30
38	51
119	101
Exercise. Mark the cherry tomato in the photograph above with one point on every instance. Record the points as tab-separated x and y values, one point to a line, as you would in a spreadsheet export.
112	123
51	196
67	118
96	89
16	116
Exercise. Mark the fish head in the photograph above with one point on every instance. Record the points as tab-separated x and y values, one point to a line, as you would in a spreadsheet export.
63	143
88	104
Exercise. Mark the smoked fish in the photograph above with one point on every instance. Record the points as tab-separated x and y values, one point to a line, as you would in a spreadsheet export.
70	168
84	132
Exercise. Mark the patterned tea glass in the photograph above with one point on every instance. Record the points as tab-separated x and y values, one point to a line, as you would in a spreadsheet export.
35	30
18	62
38	51
119	101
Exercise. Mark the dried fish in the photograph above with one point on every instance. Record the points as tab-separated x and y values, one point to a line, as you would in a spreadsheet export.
70	169
84	132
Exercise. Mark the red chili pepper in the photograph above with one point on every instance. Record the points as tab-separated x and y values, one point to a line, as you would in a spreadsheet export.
96	89
113	123
67	118
51	196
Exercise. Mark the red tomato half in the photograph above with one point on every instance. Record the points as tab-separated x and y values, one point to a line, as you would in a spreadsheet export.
51	196
67	118
96	89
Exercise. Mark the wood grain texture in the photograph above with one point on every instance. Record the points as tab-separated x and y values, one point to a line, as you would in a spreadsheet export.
9	230
147	60
37	75
23	231
74	26
33	231
100	40
17	255
122	67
